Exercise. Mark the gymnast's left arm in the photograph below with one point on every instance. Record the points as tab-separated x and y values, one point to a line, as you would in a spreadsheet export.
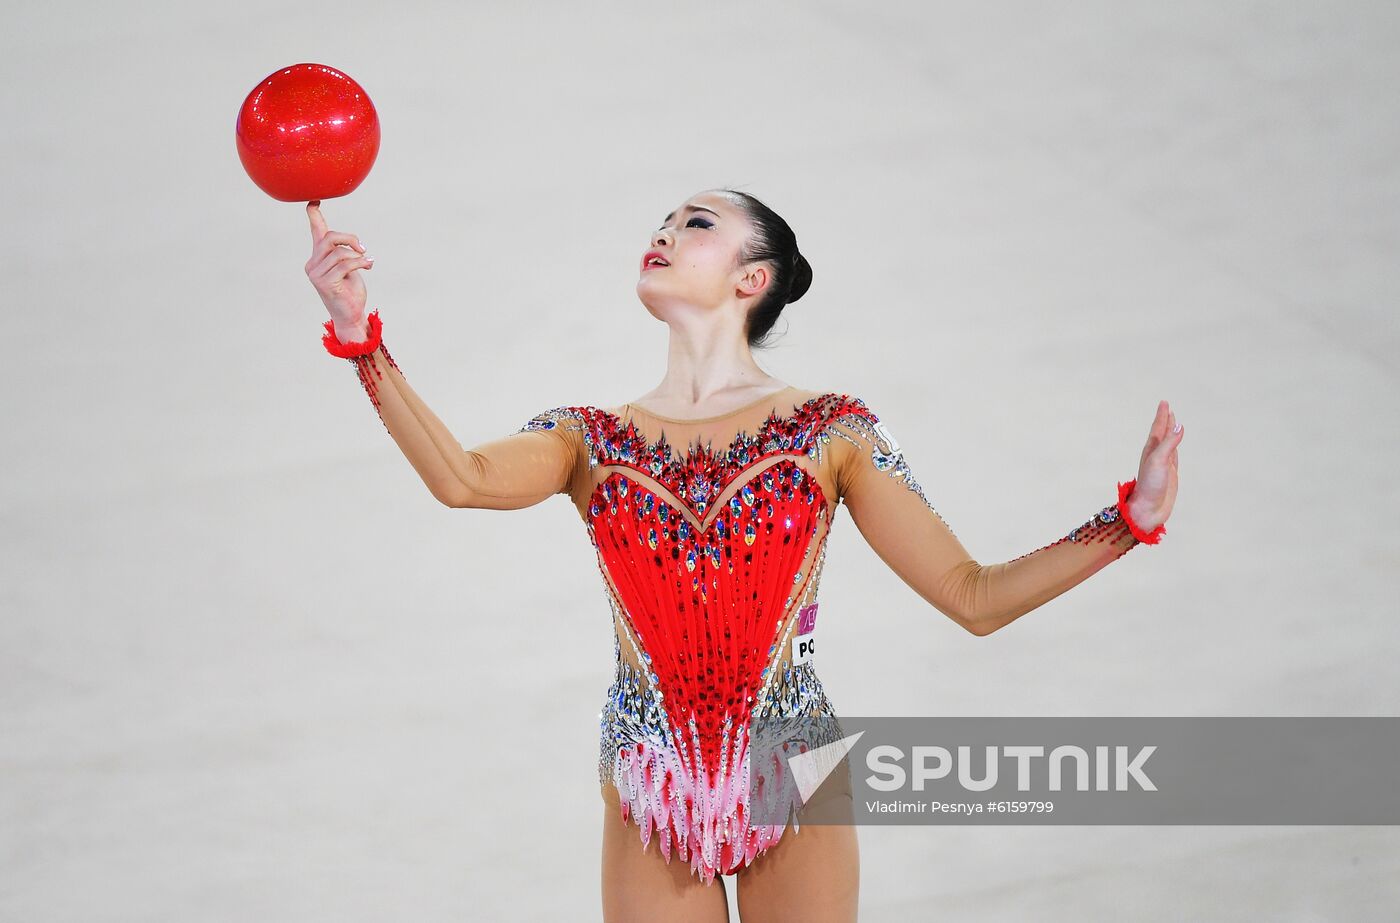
890	509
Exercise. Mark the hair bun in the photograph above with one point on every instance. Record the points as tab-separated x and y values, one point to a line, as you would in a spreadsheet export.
801	278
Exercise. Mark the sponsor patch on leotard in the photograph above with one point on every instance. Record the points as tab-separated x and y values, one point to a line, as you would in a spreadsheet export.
804	642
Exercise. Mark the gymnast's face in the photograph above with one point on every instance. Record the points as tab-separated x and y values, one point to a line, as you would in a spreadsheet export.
701	241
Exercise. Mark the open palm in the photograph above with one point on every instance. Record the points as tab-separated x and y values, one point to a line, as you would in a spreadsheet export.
1155	492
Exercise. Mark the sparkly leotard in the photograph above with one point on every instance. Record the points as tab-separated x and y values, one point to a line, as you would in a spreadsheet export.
710	560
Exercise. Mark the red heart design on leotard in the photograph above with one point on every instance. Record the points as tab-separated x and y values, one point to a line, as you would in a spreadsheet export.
707	603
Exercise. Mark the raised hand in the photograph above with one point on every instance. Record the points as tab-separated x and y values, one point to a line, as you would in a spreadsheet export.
335	256
1152	498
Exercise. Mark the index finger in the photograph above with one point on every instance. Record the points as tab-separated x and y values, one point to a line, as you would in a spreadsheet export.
318	223
1159	422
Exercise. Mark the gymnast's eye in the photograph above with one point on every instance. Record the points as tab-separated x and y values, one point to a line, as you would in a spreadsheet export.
704	223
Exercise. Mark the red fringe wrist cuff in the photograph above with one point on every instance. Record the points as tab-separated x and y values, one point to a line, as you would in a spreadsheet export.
361	348
1147	538
361	356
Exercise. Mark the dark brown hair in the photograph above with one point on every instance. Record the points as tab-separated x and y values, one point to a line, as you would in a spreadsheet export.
773	242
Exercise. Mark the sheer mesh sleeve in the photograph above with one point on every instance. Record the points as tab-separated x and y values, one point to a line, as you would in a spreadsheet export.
539	460
891	511
534	463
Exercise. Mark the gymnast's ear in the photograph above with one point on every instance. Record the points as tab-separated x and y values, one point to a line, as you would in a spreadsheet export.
756	276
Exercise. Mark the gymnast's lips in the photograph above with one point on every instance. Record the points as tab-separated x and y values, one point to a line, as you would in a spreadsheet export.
650	254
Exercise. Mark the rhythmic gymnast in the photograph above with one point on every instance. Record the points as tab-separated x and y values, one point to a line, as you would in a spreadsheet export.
708	501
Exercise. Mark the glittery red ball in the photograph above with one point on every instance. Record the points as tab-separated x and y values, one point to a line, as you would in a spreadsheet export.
307	132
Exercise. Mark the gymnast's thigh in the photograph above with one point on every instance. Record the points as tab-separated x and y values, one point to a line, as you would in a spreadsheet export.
811	874
640	885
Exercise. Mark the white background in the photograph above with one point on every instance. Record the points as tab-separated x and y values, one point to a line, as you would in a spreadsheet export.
250	669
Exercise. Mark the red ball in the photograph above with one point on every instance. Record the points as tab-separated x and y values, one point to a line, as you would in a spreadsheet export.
307	132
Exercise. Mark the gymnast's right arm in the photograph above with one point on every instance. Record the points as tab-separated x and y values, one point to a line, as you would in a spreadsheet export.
509	473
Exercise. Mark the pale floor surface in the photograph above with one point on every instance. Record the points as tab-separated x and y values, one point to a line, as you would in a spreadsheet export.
251	670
